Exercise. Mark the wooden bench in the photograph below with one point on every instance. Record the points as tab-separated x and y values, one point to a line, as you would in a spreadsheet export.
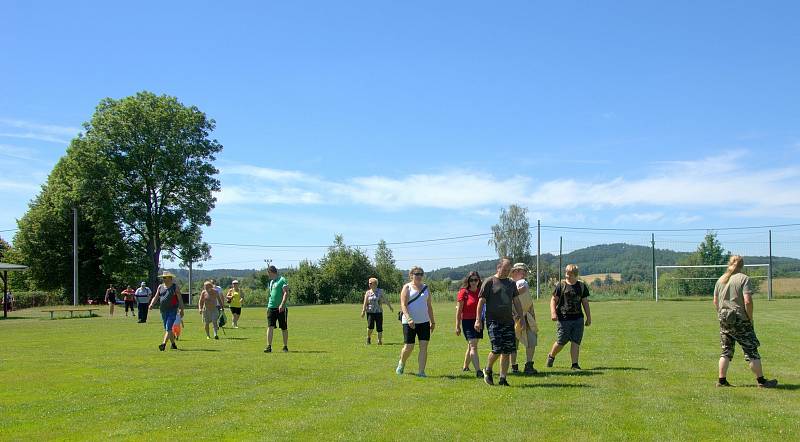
70	310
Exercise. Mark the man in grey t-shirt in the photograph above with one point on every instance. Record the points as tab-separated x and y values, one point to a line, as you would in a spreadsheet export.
500	296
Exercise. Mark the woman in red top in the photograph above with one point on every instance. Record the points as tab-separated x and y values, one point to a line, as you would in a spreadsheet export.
466	313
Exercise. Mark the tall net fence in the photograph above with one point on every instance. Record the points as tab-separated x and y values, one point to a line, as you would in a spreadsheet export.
621	264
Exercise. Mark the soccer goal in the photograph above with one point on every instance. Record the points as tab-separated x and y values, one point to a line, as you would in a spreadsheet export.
699	280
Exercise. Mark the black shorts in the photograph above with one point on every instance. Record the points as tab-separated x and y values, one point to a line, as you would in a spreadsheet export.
129	305
273	316
112	299
503	338
375	320
421	331
468	329
236	310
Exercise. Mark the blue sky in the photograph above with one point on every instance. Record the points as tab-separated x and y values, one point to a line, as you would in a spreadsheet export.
415	120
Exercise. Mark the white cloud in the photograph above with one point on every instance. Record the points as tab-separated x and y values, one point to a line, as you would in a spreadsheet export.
725	183
20	153
12	128
18	186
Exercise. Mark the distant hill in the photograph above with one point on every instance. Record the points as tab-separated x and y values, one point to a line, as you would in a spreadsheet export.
632	261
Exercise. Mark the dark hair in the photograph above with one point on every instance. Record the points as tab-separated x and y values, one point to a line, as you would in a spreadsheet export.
465	282
502	260
272	269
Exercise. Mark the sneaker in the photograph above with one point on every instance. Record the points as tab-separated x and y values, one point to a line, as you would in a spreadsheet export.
487	377
400	368
173	346
465	369
268	349
422	375
772	383
479	374
529	370
216	337
724	384
161	347
208	337
285	349
514	369
503	382
380	342
369	341
550	360
575	367
235	326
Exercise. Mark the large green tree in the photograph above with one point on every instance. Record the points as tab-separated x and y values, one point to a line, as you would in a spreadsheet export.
511	237
148	160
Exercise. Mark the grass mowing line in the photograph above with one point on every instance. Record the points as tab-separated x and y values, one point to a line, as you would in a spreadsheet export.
654	370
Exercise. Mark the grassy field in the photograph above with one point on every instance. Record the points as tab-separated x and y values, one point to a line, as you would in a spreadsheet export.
650	374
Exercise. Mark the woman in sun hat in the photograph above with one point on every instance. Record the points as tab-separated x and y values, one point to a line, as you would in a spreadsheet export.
170	304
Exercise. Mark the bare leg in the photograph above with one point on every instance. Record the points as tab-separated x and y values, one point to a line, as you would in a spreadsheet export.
369	334
574	352
755	367
405	353
491	360
166	336
285	338
422	358
171	337
514	356
556	349
206	326
529	353
269	335
380	338
504	363
235	320
467	355
216	328
473	349
723	366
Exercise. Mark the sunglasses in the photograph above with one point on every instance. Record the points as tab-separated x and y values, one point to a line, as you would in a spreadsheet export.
418	274
474	279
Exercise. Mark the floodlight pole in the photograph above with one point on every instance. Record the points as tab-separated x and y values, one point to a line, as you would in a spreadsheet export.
538	253
769	270
74	256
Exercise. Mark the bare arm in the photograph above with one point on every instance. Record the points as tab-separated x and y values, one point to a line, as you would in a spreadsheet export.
153	300
459	313
478	324
385	300
748	305
430	312
221	301
202	302
284	299
585	304
364	305
553	303
716	301
404	305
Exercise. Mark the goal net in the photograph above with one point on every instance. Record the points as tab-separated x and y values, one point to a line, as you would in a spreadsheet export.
686	281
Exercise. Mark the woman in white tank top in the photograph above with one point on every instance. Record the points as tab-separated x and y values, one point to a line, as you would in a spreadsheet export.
417	319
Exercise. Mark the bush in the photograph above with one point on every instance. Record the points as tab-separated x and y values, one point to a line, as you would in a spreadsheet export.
38	299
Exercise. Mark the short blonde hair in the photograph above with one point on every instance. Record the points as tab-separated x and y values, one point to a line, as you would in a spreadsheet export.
371	280
573	269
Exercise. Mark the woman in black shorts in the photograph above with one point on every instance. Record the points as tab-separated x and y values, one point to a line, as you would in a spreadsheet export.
466	313
373	299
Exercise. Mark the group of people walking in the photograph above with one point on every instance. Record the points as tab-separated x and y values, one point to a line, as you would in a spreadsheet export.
502	305
134	300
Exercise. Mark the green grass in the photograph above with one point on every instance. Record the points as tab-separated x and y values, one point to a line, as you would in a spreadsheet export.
651	370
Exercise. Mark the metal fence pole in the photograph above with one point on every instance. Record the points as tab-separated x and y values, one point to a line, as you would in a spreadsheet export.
538	254
769	269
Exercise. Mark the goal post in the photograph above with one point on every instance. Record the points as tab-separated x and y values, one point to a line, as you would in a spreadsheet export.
658	269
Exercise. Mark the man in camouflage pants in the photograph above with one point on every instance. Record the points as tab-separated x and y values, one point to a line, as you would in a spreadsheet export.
734	302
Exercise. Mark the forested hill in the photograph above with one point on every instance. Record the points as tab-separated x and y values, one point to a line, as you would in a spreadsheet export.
633	262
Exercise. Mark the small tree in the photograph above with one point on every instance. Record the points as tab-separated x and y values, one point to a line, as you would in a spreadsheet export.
709	252
511	237
304	282
389	277
344	273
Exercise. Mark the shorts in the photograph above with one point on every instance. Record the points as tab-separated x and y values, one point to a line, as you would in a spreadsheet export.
468	329
129	305
570	330
274	316
742	332
169	317
210	315
375	320
421	331
112	300
236	310
503	338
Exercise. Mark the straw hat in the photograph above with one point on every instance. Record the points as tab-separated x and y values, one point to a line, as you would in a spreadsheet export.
166	274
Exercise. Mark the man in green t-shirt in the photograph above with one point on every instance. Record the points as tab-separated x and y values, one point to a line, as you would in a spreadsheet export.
276	308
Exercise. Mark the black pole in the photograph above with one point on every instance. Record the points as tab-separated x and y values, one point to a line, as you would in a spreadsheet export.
653	243
560	253
5	291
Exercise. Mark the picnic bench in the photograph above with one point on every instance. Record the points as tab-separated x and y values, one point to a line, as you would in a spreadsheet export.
70	310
